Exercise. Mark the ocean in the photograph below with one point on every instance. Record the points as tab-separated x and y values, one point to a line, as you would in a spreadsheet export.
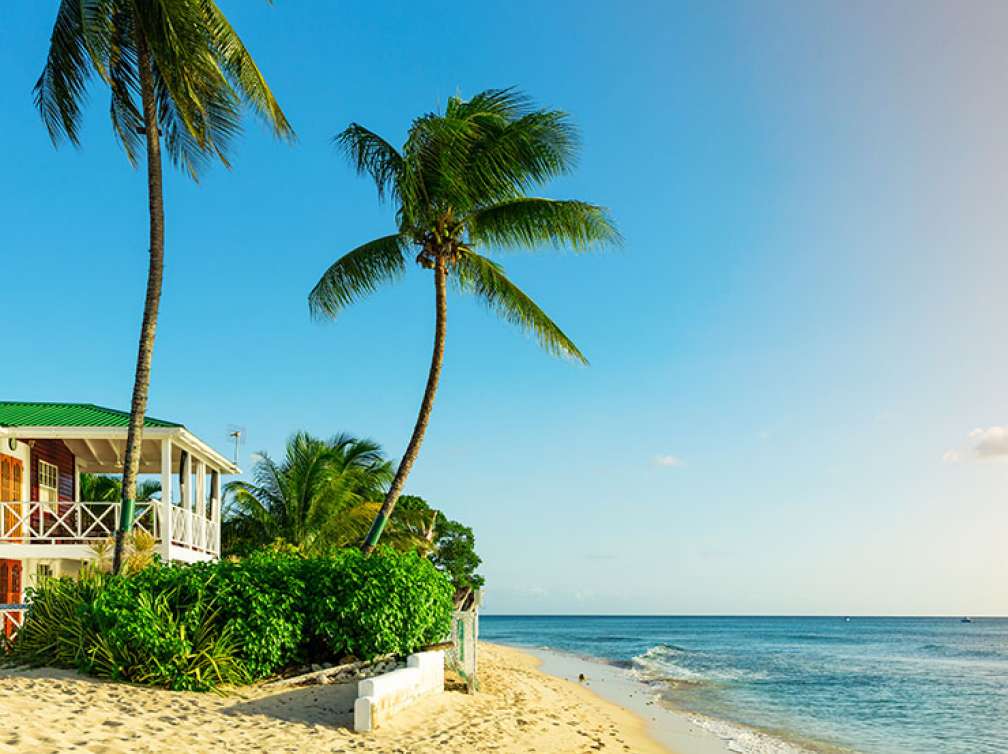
866	685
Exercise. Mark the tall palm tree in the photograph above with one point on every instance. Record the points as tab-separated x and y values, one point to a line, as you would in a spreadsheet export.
176	70
321	495
461	182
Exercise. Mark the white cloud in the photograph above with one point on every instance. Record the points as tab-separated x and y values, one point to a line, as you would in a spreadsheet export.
990	442
951	456
669	461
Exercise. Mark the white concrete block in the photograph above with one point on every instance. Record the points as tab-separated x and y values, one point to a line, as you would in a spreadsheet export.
386	684
380	697
431	667
362	719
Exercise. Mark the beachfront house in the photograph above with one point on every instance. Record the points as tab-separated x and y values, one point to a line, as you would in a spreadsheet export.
46	529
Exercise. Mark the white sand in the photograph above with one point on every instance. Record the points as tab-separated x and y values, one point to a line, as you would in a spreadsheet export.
518	710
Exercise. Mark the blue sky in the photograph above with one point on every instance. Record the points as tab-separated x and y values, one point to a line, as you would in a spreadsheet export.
789	354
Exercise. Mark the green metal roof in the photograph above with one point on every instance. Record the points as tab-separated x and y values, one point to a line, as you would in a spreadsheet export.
17	414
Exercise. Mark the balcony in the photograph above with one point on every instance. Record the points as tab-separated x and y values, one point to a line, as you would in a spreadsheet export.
69	530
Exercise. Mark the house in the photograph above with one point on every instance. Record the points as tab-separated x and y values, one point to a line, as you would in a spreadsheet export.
46	529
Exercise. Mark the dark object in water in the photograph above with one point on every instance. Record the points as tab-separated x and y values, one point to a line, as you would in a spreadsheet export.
966	620
581	677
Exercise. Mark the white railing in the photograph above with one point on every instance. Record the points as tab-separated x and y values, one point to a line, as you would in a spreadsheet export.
11	619
193	530
66	523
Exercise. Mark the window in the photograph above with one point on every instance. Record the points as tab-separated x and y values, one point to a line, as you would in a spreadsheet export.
48	482
43	571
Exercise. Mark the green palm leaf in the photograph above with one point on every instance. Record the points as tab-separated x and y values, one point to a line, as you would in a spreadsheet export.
358	273
531	222
479	276
372	155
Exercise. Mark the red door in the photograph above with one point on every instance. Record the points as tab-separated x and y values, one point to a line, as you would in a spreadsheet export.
10	591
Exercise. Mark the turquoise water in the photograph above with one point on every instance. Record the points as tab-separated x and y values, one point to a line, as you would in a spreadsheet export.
871	685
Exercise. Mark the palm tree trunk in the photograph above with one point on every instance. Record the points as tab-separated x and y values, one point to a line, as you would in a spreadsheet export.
423	419
155	273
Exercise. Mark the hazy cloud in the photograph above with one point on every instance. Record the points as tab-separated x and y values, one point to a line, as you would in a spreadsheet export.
990	442
951	456
669	461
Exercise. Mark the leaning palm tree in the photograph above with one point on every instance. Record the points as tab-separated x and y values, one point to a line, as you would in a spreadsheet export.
176	71
320	495
461	183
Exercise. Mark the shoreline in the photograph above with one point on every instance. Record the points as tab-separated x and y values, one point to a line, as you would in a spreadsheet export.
673	731
678	730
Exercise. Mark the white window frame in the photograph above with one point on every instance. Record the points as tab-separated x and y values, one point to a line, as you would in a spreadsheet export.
48	493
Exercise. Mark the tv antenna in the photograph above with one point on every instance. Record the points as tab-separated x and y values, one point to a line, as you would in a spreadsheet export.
237	435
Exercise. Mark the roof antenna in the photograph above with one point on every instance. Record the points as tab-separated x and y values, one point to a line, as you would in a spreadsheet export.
237	434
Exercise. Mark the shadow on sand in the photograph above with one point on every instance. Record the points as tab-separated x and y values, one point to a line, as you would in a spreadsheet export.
330	705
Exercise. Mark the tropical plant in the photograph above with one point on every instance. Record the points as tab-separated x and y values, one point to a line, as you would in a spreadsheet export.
139	552
175	70
460	183
321	495
214	624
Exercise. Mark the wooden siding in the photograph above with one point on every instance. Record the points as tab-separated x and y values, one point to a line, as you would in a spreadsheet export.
55	452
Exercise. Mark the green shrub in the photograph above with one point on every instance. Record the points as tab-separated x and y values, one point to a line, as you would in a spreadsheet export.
388	603
202	626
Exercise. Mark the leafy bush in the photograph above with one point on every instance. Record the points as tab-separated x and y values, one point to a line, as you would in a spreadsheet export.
202	626
367	606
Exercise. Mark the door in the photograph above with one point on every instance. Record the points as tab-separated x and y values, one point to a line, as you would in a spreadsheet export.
11	475
10	593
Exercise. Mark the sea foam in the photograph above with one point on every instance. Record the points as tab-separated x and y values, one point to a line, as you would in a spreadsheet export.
743	740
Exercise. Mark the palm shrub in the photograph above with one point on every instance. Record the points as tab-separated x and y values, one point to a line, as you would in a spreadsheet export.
321	494
460	184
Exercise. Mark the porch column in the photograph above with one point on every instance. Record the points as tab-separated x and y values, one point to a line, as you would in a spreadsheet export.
201	489
215	509
166	500
187	498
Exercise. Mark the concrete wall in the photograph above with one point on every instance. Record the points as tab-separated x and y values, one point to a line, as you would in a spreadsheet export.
380	697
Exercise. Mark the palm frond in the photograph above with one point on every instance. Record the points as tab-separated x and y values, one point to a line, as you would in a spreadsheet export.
511	158
481	151
62	88
358	273
479	276
202	75
241	69
370	154
508	103
124	82
529	222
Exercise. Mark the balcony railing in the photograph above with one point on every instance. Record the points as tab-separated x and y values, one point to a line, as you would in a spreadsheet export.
85	523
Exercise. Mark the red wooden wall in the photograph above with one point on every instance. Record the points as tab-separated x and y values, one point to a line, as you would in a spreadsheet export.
56	452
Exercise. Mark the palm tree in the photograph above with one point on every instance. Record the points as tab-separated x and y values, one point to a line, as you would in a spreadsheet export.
461	182
321	495
176	70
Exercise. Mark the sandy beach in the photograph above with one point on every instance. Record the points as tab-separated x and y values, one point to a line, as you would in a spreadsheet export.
519	709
